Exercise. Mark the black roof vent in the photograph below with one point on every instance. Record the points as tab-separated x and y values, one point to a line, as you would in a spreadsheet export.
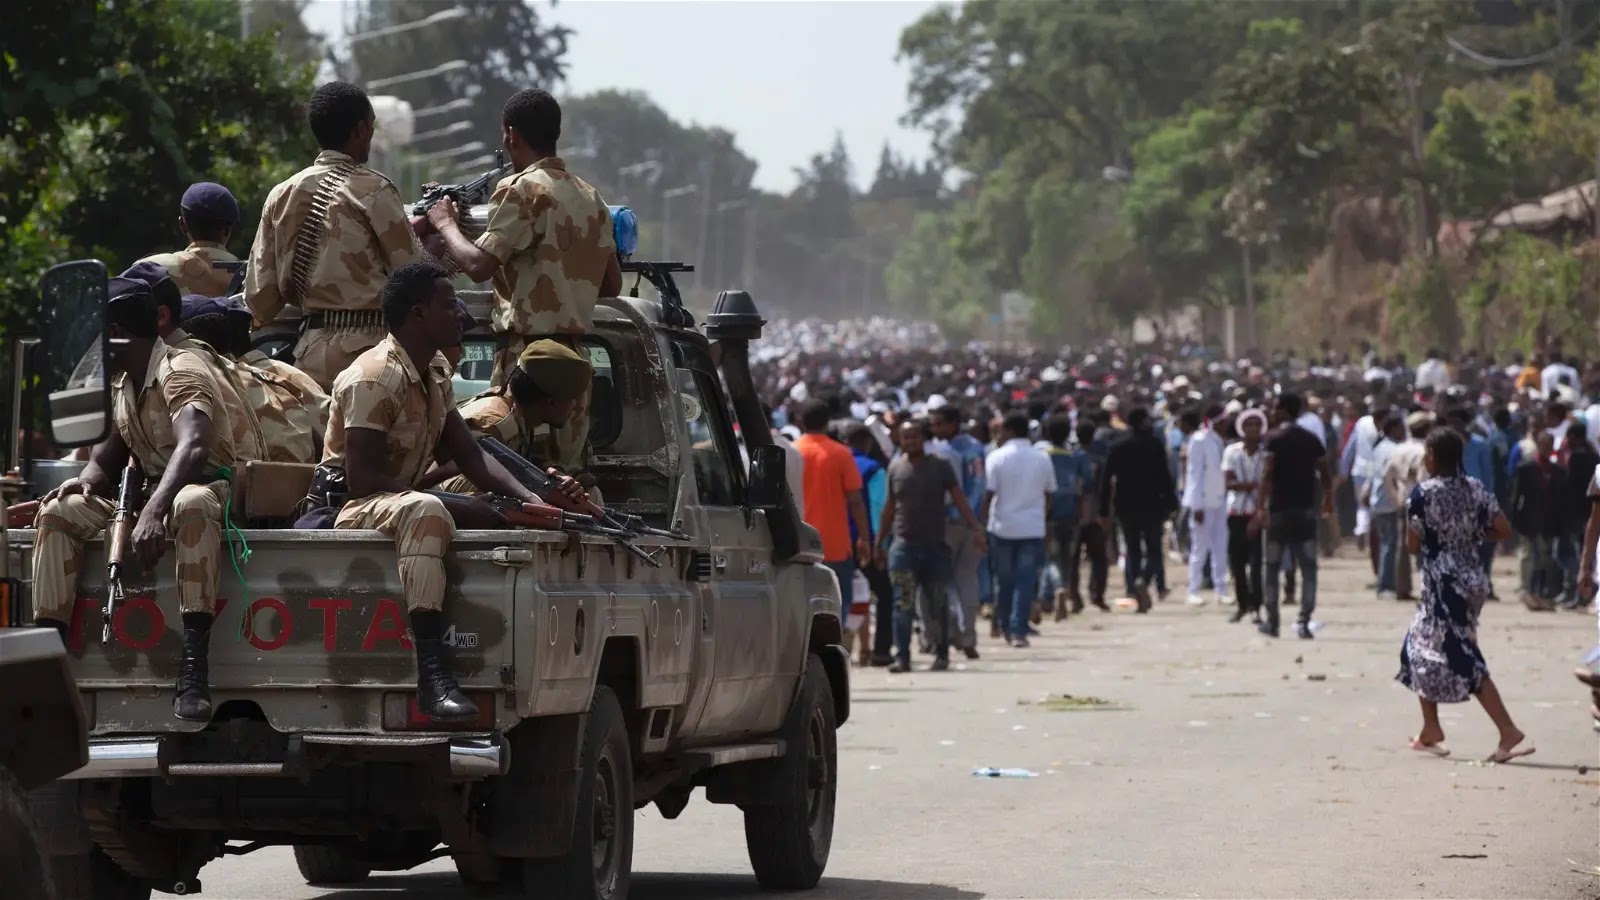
734	318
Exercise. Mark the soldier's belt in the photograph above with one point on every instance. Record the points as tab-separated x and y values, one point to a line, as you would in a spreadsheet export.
345	318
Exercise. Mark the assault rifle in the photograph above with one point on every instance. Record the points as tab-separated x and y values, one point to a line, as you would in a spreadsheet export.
556	519
117	543
472	193
545	487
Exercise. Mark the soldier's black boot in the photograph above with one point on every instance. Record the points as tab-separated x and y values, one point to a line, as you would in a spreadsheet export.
194	679
438	696
57	624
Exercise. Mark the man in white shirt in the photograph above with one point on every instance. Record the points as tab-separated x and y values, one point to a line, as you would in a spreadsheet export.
1242	465
1205	501
1552	374
1433	372
1019	480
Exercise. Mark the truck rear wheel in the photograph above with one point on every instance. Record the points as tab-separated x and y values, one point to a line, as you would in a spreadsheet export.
321	864
94	877
789	840
599	864
21	860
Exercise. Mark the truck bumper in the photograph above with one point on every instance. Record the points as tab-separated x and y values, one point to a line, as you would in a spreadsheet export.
465	757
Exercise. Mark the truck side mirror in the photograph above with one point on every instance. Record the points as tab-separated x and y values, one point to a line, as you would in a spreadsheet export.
768	468
70	356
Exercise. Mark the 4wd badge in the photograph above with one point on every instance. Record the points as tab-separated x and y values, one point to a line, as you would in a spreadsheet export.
460	640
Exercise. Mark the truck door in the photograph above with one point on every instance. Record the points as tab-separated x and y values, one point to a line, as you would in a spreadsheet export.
742	603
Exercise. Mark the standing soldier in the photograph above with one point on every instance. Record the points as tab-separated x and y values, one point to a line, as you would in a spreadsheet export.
169	416
206	216
329	237
393	414
549	248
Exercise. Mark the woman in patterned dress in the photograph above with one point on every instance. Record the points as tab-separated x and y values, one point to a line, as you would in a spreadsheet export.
1450	516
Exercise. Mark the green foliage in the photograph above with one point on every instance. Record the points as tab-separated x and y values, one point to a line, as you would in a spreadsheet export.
927	278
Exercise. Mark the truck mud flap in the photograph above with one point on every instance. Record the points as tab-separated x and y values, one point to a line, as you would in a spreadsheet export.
532	808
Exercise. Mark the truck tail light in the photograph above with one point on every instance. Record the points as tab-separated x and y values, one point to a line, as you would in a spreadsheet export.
401	713
8	609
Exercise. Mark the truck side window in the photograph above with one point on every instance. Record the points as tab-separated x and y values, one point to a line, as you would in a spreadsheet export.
710	432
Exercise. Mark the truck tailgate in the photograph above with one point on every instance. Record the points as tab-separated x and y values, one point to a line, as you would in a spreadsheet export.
325	637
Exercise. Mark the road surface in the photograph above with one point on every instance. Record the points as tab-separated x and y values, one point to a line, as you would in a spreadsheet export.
1198	758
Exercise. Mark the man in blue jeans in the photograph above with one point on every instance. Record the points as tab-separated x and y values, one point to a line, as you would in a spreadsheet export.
918	558
1020	481
1288	509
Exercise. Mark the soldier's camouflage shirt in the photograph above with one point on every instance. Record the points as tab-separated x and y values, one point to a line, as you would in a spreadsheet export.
143	418
551	232
233	391
366	236
383	391
292	407
192	268
493	414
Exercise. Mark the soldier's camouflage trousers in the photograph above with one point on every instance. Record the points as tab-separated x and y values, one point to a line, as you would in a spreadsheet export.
323	353
569	444
65	523
422	530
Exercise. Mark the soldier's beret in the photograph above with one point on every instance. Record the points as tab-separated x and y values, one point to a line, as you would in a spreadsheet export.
211	200
195	306
162	285
120	287
556	370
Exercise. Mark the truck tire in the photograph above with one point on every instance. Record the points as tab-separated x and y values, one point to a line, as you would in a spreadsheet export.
22	865
789	840
323	865
599	864
94	877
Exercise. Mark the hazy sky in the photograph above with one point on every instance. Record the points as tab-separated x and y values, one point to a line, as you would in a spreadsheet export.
783	76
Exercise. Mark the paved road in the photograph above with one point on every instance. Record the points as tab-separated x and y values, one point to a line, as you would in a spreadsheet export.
1227	765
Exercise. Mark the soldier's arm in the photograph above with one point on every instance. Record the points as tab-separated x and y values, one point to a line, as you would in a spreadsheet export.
513	226
365	451
261	293
611	283
463	451
192	429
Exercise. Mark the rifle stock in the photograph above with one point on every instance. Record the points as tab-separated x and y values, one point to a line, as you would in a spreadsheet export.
117	536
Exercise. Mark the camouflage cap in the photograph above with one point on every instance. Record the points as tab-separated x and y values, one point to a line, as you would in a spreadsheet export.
556	370
211	200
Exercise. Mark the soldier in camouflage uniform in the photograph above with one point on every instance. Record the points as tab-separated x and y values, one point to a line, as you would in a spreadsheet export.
206	216
540	395
292	410
393	414
169	416
548	246
329	237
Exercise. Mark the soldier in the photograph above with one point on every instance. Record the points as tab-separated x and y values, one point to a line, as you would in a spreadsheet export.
169	415
549	248
393	414
542	392
206	216
291	408
328	238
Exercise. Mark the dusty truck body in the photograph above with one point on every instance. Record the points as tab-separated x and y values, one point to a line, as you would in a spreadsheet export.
604	683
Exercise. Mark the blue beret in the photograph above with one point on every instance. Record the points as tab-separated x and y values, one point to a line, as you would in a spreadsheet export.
120	287
195	306
151	273
211	200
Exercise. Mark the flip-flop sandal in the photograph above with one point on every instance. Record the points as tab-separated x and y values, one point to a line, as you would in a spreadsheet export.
1435	749
1505	756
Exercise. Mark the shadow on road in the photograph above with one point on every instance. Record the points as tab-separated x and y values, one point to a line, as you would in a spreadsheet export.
652	886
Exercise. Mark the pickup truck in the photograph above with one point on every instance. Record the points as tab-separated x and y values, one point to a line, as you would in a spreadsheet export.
604	683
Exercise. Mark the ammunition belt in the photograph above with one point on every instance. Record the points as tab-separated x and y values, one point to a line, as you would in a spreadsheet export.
345	318
308	241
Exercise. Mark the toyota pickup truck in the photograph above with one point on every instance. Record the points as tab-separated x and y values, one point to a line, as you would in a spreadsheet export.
604	683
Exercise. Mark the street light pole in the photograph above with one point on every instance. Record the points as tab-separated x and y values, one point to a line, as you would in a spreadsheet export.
666	215
722	241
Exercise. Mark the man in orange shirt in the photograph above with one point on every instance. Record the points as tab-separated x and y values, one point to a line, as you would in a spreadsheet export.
833	492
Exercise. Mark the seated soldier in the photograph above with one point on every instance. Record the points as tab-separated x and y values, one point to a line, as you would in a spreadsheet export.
394	414
290	406
169	415
542	390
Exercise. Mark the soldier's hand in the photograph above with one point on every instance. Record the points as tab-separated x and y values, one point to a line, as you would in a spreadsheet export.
70	486
568	487
443	213
149	540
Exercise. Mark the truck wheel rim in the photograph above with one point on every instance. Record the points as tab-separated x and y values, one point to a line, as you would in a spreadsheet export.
604	840
819	783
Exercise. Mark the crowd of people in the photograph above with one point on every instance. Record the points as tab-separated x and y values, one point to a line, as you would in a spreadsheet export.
1049	466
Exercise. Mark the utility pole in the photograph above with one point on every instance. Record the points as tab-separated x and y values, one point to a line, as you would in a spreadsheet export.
749	276
706	168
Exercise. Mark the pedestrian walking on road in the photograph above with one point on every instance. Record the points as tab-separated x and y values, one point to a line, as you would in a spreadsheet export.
1288	510
1242	465
833	498
965	454
1137	486
1205	501
918	558
1448	517
1069	510
1020	481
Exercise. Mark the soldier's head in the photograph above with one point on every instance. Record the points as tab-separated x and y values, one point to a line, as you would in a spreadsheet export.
208	212
548	381
342	119
222	322
420	306
530	126
168	296
130	324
